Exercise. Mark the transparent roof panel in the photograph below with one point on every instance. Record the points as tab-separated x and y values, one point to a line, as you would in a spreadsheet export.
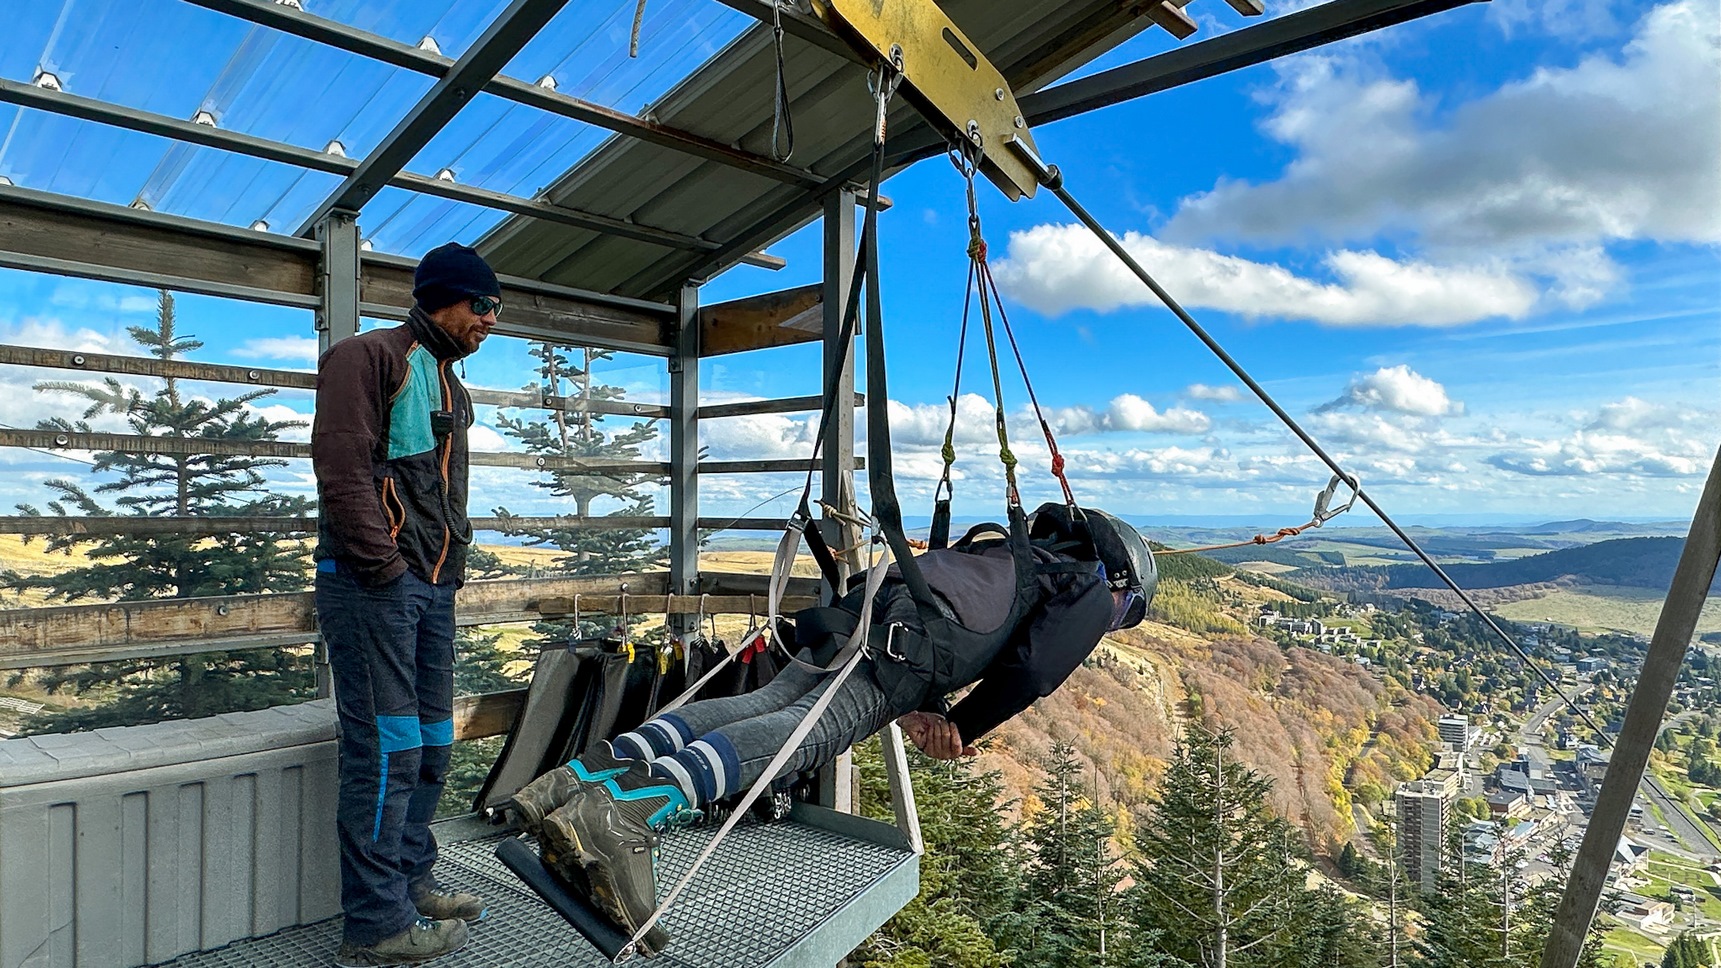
187	62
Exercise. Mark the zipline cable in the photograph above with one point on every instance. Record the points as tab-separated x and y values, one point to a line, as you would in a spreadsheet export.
1053	179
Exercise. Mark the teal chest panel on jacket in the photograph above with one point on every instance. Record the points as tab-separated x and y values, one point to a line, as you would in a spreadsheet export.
409	429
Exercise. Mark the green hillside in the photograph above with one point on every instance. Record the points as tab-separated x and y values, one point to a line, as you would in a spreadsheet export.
1631	562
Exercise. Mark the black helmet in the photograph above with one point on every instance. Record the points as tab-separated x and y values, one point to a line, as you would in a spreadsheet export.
1111	541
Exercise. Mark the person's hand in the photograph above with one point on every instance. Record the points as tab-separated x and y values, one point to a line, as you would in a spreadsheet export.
935	736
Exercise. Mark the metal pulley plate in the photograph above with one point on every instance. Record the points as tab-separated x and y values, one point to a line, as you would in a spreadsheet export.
945	76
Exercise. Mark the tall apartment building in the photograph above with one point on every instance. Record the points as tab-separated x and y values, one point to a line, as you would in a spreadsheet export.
1455	732
1424	807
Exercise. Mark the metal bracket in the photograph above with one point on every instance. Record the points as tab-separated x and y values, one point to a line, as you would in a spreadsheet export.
946	78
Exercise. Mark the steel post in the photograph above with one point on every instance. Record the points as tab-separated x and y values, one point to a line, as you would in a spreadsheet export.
834	787
1673	630
838	473
337	319
684	450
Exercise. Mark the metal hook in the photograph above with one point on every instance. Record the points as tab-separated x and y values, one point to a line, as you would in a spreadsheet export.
624	628
752	612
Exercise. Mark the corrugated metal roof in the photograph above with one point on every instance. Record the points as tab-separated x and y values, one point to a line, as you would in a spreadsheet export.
729	99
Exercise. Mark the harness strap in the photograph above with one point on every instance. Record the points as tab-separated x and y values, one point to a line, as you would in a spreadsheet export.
850	656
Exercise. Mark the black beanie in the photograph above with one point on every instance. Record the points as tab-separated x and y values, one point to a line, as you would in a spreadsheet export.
450	273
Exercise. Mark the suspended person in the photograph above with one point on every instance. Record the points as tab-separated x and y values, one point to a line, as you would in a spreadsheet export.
598	818
389	448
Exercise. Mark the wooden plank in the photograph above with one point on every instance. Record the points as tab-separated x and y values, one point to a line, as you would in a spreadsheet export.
796	466
149	524
758	322
115	242
115	237
82	633
530	312
173	524
748	408
191	446
147	366
669	604
293	379
747	583
487	714
1169	14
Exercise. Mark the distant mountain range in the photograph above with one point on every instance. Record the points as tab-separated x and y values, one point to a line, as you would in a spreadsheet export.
1631	562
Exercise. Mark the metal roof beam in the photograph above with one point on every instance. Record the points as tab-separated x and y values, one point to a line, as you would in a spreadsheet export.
506	35
354	41
801	25
1257	44
44	232
102	112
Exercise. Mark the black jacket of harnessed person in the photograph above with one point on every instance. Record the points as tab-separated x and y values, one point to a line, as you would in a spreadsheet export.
1012	668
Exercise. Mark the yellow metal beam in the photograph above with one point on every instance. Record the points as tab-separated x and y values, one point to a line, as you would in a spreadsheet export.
946	77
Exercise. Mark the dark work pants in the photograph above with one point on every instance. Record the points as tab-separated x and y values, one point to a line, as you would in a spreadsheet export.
391	650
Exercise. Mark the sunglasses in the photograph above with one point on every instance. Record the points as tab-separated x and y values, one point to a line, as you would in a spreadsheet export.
485	305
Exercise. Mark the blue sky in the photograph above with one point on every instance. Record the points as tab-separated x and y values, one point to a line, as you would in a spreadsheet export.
1476	255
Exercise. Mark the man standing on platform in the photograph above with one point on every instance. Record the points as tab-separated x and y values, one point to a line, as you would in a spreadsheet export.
389	447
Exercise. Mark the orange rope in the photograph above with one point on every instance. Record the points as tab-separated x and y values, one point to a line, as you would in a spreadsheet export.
1260	539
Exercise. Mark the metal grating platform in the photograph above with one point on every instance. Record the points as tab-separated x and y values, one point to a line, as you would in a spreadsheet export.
800	892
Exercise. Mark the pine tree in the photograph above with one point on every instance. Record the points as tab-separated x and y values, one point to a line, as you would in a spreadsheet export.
138	567
1070	876
1687	952
965	912
586	550
1215	878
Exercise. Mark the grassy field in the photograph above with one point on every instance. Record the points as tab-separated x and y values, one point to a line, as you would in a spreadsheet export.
1594	608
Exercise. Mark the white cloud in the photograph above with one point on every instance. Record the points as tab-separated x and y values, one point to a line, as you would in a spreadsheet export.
1201	391
1587	453
1399	389
53	334
1057	268
1562	18
1542	172
1628	438
1127	413
298	349
1634	414
482	439
281	413
768	436
79	295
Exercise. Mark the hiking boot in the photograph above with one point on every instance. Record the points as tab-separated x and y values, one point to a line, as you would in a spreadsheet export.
538	799
423	940
609	831
440	903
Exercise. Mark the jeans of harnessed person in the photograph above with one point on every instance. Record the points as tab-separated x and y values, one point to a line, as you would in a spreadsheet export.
722	746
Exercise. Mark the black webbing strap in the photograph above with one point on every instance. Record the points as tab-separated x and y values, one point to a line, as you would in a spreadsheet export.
886	509
816	543
939	538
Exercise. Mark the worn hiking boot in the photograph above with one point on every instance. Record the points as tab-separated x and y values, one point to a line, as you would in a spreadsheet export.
538	799
439	903
607	835
423	940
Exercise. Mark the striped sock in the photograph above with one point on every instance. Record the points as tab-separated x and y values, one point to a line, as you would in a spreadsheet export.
707	770
659	737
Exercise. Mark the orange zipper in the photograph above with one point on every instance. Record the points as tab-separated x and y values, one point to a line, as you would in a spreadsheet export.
447	450
388	492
